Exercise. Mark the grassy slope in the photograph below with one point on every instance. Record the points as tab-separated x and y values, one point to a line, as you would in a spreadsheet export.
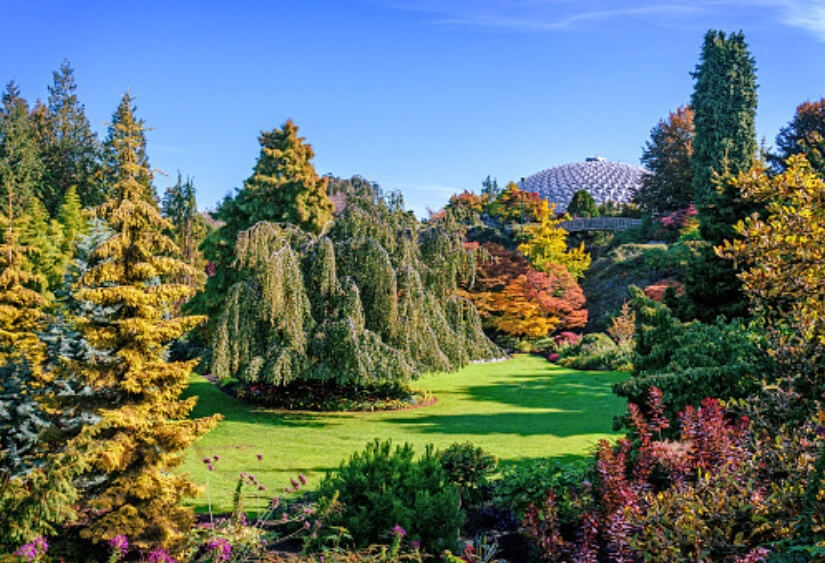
521	408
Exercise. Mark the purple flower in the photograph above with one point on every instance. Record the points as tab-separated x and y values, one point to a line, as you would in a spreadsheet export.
306	524
261	488
275	502
399	531
206	460
119	544
302	479
220	549
160	555
210	467
295	484
34	549
415	544
215	457
260	457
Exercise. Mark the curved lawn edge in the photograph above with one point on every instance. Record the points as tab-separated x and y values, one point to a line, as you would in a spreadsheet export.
518	409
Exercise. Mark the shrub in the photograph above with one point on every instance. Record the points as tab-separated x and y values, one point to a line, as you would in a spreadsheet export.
527	483
381	488
467	467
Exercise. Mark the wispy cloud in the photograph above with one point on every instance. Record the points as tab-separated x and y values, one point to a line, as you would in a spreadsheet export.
557	15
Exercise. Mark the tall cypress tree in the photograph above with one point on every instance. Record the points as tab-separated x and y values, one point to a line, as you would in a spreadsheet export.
144	430
112	156
70	149
724	145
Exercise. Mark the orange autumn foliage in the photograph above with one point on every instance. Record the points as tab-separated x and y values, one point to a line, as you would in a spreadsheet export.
515	299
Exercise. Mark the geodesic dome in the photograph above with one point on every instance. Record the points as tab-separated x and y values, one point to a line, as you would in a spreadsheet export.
604	180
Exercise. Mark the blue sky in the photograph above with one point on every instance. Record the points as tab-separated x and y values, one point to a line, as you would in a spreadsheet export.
425	96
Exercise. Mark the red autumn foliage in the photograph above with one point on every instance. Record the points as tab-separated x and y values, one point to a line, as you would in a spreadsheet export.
657	290
515	299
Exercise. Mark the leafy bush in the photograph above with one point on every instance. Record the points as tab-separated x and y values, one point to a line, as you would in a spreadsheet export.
597	351
381	488
691	361
468	467
527	483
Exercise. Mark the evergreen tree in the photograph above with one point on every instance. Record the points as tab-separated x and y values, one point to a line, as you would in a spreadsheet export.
284	187
71	219
70	149
113	164
44	236
724	145
667	156
189	228
130	487
582	204
20	167
805	134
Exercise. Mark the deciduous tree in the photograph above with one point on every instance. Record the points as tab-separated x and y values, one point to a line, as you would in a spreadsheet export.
805	134
545	244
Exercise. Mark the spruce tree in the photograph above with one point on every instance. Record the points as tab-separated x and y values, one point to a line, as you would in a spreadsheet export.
112	156
70	149
44	236
189	228
131	488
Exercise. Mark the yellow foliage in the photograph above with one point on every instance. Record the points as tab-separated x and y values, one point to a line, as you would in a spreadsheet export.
546	243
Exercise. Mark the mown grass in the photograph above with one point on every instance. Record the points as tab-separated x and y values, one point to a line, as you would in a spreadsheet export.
521	408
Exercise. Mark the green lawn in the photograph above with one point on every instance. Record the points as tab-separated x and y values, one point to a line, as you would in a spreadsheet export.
517	409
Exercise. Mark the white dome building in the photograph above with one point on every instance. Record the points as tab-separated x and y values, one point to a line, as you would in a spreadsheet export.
604	180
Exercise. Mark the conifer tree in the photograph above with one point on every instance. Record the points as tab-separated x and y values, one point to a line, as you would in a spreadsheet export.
545	244
189	228
44	236
112	156
20	166
724	145
144	430
70	149
583	205
72	221
283	188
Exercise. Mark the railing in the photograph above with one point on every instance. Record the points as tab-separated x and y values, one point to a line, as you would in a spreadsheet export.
600	224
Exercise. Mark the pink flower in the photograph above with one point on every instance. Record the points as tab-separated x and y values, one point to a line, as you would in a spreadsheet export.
399	531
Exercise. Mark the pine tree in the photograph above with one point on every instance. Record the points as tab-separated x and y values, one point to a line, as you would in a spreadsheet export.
113	164
724	145
70	149
667	156
20	167
144	428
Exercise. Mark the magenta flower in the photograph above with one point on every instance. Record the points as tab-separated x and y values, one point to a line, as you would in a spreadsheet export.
275	502
215	457
260	457
119	544
399	531
261	488
415	544
220	549
34	549
210	467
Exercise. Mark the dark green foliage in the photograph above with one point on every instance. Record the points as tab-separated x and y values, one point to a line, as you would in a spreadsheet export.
583	205
22	420
692	361
469	468
20	165
724	102
70	149
711	287
597	351
372	303
382	487
527	483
